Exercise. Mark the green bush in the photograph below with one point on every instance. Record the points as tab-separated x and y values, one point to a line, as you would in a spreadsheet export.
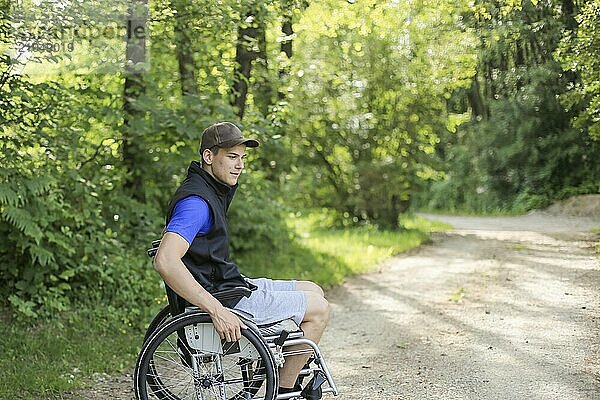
71	236
525	202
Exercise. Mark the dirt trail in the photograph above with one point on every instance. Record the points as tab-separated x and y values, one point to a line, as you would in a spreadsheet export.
499	308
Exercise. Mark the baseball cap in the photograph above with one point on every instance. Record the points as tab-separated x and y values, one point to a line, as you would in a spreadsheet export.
224	134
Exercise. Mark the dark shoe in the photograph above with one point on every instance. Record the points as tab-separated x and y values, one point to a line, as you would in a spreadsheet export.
312	390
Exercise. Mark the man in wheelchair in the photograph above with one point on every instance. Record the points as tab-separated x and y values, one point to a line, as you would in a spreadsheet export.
193	255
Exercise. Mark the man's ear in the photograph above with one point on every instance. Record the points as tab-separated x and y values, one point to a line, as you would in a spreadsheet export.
207	156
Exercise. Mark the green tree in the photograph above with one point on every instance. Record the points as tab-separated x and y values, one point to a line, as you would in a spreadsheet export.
519	146
368	102
580	52
133	88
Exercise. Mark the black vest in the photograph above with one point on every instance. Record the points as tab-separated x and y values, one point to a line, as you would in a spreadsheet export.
208	255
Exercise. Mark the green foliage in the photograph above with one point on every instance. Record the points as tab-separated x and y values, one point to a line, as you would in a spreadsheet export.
257	218
519	152
367	102
71	235
527	147
580	53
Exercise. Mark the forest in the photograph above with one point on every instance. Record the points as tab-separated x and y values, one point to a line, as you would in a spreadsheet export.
366	110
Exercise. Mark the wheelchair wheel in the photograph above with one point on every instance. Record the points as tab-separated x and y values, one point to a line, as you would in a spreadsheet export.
183	359
158	319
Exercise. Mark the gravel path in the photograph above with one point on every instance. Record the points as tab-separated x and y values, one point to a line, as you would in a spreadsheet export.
499	308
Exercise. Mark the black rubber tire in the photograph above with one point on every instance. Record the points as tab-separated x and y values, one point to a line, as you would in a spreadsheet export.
158	320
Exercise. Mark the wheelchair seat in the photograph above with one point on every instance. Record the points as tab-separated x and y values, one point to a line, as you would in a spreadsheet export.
275	329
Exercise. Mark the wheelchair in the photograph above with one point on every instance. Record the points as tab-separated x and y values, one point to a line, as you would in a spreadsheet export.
182	356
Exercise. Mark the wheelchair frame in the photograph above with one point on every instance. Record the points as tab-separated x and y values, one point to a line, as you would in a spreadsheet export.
187	335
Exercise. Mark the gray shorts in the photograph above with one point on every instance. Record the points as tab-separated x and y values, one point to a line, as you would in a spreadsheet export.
273	301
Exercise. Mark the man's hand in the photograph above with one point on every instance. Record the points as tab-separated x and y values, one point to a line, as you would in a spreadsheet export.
227	324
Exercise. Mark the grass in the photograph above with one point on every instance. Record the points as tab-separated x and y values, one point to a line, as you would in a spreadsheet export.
518	246
47	359
358	250
457	295
327	255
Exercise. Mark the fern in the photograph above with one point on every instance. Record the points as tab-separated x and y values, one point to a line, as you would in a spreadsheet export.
38	185
40	255
8	196
21	219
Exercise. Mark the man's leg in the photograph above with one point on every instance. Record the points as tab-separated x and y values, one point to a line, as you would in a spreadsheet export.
314	323
308	286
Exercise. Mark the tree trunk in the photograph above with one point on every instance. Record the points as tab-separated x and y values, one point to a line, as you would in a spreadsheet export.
287	30
247	50
519	62
183	49
490	86
263	89
286	47
478	109
135	50
569	11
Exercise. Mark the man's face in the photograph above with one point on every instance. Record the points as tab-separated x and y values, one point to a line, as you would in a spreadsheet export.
227	165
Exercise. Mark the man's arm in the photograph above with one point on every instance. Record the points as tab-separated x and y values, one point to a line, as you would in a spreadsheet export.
175	274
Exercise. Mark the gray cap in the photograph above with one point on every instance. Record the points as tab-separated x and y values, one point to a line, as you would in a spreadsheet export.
224	134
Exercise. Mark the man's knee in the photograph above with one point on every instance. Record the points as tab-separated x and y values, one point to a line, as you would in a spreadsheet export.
318	309
308	286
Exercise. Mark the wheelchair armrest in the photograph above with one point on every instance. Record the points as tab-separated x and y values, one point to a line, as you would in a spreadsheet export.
232	294
227	297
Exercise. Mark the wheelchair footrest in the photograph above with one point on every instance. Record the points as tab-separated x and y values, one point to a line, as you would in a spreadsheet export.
312	390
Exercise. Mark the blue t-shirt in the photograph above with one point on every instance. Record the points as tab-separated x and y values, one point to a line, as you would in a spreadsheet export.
191	216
